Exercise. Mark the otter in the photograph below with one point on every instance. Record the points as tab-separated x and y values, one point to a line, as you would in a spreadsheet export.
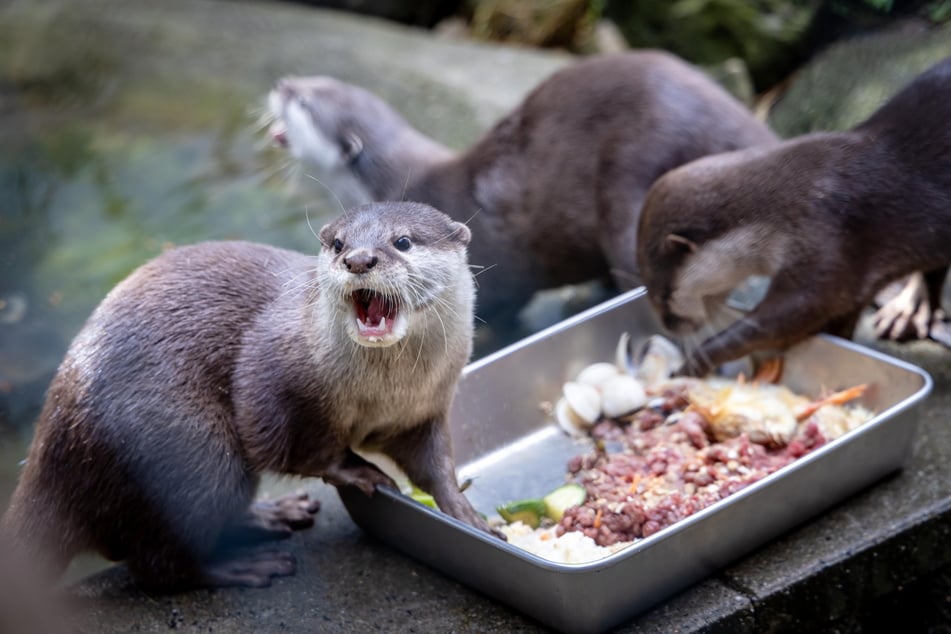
830	218
216	362
553	191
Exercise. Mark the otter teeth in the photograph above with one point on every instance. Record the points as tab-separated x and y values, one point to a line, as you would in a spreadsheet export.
375	314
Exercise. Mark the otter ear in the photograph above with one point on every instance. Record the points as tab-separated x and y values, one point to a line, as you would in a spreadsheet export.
680	242
351	145
326	236
460	232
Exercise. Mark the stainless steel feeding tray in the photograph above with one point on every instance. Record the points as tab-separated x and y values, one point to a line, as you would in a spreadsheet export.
511	449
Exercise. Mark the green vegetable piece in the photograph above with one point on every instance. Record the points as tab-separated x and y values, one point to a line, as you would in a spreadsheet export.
563	498
529	512
423	498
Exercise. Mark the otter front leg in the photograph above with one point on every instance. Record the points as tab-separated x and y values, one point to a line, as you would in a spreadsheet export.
425	454
352	470
784	317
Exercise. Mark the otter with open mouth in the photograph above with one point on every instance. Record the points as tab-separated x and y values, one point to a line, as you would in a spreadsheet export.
217	362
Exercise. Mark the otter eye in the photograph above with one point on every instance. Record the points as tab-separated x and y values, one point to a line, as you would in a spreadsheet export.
402	243
338	245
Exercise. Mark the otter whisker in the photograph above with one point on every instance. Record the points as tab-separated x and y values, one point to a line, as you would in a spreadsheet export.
329	189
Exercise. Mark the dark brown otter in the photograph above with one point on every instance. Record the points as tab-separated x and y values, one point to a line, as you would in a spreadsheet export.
219	361
553	191
831	218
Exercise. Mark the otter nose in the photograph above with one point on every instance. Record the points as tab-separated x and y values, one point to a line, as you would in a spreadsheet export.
286	88
360	262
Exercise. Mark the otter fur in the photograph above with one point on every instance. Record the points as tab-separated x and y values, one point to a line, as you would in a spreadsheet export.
219	361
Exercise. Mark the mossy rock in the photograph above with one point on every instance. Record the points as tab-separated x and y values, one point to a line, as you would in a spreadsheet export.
850	80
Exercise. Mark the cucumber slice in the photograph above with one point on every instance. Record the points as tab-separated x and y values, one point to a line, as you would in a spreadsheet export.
529	512
563	498
423	498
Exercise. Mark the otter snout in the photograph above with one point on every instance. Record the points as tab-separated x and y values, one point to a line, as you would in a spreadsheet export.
360	262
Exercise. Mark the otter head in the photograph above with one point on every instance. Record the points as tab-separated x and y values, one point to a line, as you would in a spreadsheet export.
326	122
341	128
388	267
701	234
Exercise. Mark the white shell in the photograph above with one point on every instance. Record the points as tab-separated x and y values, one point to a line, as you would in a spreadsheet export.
597	374
622	395
622	355
585	401
568	420
657	360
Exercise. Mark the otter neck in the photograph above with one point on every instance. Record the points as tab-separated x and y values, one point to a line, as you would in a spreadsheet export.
394	165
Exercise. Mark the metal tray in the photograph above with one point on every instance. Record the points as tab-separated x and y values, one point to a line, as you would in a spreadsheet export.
511	450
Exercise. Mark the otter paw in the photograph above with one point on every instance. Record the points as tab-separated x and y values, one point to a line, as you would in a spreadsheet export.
365	477
295	511
268	520
906	315
253	570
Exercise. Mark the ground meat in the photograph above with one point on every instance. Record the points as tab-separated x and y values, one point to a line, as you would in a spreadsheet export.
644	475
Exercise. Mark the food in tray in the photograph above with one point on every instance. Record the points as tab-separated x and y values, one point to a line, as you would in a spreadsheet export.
677	446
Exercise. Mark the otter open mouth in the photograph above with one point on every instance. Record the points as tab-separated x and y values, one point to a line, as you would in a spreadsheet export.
376	314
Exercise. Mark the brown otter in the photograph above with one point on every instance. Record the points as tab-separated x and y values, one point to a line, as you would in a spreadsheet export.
216	362
831	218
552	192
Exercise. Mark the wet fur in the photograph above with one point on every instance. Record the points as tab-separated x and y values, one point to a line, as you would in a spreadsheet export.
216	362
836	217
553	191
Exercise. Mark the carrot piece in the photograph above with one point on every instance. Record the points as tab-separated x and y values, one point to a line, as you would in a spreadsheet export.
597	518
836	398
635	481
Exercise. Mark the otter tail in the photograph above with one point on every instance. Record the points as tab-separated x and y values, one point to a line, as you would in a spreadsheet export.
34	532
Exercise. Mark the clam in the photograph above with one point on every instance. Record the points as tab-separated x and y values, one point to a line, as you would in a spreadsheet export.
622	394
578	408
584	400
653	360
568	420
597	374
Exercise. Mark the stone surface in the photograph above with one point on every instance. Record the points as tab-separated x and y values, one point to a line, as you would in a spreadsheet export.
850	80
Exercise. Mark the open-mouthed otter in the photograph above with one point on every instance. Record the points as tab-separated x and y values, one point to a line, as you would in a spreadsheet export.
216	362
553	191
831	218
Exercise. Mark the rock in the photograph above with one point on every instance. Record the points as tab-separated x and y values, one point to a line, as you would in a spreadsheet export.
607	38
845	84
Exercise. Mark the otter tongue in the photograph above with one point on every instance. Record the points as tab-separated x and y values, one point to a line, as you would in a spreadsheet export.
375	315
